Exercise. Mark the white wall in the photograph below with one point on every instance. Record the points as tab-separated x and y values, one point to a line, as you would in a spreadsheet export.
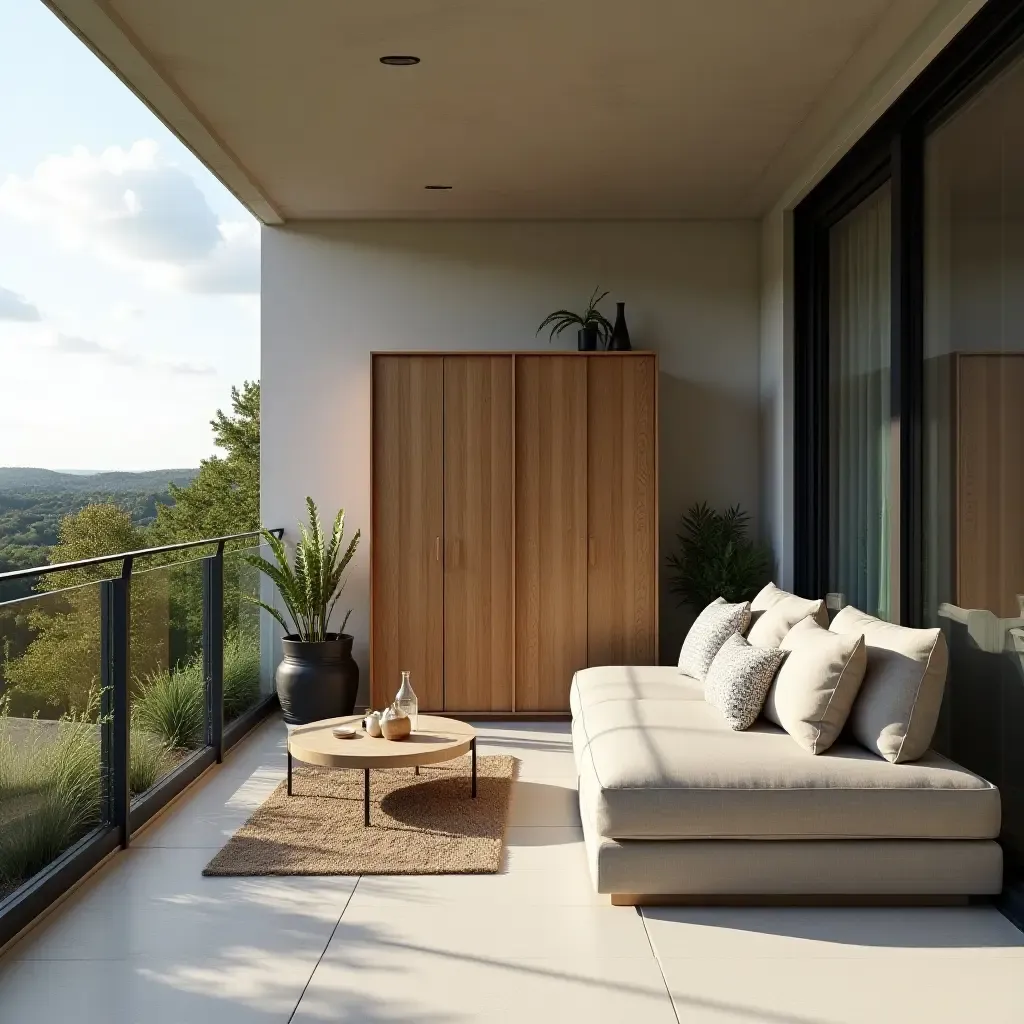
848	121
334	292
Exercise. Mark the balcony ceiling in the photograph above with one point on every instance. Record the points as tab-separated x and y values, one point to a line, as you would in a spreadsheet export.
528	108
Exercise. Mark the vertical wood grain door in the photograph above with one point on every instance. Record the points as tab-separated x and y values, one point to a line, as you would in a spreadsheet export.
990	482
622	511
408	526
478	569
551	523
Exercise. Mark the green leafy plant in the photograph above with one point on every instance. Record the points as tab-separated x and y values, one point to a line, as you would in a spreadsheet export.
171	704
148	761
563	319
50	788
312	587
716	558
241	674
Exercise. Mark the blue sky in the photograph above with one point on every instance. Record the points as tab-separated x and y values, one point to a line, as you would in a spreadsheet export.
129	276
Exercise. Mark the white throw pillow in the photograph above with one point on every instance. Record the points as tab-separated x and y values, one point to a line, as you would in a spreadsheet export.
815	689
774	612
713	627
739	679
897	708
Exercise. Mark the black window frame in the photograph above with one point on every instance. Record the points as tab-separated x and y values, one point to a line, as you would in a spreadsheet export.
891	150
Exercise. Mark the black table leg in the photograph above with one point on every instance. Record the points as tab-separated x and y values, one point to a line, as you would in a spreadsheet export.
366	797
417	769
289	773
472	748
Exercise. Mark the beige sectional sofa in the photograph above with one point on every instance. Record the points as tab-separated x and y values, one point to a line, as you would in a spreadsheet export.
674	803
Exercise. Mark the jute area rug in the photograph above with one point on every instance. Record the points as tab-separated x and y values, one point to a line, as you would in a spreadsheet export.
424	824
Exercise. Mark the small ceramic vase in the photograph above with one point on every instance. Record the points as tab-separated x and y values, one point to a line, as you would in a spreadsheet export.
395	724
371	723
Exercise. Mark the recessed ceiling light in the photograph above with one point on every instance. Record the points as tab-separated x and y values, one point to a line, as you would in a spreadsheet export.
398	60
438	188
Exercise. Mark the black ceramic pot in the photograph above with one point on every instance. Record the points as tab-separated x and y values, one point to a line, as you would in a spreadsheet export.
619	341
317	680
586	338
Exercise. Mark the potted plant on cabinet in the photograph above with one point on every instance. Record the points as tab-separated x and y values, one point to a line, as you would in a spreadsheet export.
593	326
318	677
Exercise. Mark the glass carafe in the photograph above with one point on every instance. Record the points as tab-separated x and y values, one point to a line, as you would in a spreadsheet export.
406	700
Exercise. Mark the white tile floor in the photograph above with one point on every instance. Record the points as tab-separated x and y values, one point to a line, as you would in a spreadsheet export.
150	941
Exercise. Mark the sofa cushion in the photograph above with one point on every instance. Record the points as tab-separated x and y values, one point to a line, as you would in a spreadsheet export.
815	689
713	627
631	682
774	612
897	708
738	680
673	769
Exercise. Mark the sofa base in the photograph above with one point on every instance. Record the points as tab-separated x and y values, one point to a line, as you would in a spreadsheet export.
818	869
628	899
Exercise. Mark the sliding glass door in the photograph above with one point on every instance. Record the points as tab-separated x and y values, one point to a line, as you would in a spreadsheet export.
909	412
859	412
973	467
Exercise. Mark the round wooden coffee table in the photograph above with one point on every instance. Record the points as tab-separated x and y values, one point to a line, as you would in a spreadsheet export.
435	740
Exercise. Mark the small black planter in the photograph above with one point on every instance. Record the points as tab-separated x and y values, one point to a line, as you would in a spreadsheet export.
317	680
587	339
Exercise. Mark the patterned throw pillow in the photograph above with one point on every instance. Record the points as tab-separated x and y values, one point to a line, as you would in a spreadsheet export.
739	680
713	627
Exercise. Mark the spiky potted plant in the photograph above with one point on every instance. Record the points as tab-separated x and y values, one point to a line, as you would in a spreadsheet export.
318	677
593	326
716	558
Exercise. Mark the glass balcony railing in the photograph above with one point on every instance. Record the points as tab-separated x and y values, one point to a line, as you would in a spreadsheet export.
166	693
242	680
121	680
52	784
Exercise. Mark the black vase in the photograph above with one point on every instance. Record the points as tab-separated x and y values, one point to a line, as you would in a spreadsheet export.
317	680
619	341
586	338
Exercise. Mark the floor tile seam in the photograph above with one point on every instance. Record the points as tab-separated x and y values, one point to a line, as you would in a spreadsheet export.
323	952
661	969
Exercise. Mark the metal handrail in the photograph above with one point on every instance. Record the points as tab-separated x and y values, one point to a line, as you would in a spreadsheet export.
82	563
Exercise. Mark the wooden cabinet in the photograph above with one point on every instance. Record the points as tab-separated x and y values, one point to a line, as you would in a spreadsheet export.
989	417
514	524
622	516
551	528
478	567
408	525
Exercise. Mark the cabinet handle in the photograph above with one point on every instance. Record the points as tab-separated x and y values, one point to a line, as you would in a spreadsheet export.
437	549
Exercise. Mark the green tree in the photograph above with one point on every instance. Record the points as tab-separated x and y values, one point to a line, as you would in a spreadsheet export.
224	497
97	530
61	666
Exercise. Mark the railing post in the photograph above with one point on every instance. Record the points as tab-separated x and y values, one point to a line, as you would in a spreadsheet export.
213	648
115	651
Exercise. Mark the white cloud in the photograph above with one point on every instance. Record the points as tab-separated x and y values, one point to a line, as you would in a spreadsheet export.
14	307
132	207
123	312
231	268
73	344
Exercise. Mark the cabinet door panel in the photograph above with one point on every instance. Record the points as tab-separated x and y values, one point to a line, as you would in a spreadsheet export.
622	518
407	581
478	446
551	519
990	542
